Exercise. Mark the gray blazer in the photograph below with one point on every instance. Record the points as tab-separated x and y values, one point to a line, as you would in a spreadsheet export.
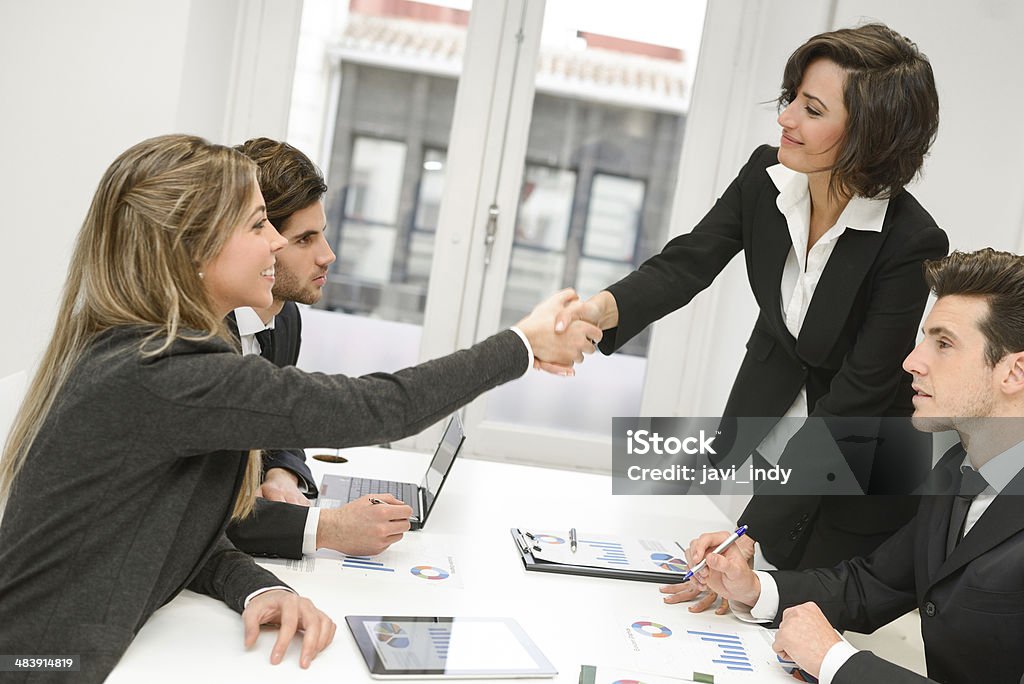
125	494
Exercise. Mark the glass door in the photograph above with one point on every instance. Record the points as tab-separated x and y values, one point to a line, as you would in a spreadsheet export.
373	99
596	172
480	158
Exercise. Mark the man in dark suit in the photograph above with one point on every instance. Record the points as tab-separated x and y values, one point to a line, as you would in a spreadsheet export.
958	560
283	523
277	341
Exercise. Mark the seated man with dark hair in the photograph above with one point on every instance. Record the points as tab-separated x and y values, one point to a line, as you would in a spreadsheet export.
959	560
283	523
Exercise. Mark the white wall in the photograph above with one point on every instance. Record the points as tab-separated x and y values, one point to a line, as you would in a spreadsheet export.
82	80
972	184
976	54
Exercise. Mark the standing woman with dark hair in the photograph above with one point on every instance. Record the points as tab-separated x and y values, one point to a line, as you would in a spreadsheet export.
833	246
139	437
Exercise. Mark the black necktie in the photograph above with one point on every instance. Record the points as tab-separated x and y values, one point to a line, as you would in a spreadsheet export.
266	339
971	484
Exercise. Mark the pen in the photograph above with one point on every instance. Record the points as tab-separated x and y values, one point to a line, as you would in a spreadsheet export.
718	549
375	501
572	539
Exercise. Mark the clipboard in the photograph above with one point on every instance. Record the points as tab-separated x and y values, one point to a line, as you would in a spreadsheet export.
537	563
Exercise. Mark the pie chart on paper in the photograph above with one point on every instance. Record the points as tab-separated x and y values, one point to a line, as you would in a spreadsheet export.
651	629
429	572
549	539
667	561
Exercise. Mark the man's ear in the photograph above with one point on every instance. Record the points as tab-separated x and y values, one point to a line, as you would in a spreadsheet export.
1013	382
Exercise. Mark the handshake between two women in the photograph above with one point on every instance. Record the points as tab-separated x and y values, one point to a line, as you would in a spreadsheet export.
563	328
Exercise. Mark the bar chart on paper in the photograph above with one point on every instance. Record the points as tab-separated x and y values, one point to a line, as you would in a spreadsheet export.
364	563
720	651
406	566
606	552
723	649
418	561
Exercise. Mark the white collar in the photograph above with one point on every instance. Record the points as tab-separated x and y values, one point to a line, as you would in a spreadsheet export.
249	322
861	213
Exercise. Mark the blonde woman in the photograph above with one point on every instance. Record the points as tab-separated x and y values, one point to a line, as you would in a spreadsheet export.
136	443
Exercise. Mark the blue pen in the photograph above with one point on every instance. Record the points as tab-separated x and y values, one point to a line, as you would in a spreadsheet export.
719	549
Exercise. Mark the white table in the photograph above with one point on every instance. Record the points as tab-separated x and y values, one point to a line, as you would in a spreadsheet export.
198	639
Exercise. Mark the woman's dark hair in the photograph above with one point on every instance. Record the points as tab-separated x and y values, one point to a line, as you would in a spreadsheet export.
289	180
891	100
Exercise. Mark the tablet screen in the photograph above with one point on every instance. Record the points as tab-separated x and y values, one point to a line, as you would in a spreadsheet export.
403	646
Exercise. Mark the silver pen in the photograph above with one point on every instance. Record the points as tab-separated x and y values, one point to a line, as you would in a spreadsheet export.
718	549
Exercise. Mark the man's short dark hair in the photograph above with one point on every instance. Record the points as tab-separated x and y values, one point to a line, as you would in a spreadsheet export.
891	100
288	179
998	277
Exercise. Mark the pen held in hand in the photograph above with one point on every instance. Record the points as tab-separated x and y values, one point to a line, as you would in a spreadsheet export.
718	549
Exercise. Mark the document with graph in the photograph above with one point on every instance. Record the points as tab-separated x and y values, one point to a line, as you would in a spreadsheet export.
601	555
718	649
418	560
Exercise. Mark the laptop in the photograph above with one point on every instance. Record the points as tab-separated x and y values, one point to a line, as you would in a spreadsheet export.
420	497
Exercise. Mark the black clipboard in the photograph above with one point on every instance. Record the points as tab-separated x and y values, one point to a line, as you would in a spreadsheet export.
538	564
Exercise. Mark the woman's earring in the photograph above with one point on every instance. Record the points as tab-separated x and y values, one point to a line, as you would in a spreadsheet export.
200	275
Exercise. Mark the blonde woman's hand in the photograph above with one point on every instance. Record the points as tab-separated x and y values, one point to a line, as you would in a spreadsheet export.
558	351
292	613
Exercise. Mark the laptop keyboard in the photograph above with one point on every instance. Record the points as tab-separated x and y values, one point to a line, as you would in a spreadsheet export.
406	491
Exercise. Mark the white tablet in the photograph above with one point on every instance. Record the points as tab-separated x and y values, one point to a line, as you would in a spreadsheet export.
446	647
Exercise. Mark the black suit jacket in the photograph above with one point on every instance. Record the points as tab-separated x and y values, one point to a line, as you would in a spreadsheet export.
287	334
860	325
276	528
971	603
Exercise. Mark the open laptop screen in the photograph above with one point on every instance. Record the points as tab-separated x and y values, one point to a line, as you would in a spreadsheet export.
447	449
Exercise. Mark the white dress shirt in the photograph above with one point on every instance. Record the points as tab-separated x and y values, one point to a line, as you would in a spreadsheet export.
249	323
997	473
803	270
800	278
